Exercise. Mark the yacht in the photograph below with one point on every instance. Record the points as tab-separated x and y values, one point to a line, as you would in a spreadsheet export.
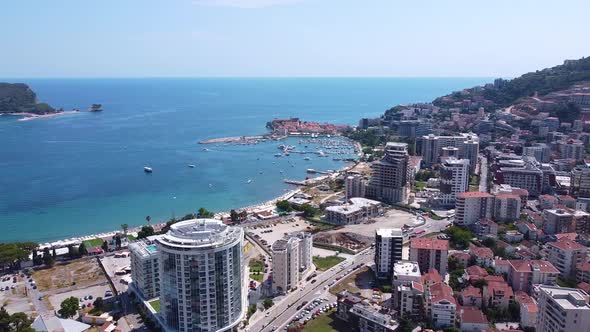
147	169
306	158
249	181
191	166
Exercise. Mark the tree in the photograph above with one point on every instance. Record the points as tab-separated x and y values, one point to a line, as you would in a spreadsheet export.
98	303
69	307
118	241
460	238
145	231
204	213
82	249
105	246
47	257
489	242
20	322
243	215
267	303
233	215
53	253
4	320
148	219
124	227
308	210
284	206
73	252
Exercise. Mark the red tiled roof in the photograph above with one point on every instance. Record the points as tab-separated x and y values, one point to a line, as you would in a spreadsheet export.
474	194
482	252
584	286
507	196
527	266
496	287
471	291
461	255
548	198
520	192
570	236
432	277
566	198
476	271
523	298
567	245
430	244
417	286
493	278
501	262
473	316
531	307
441	291
585	267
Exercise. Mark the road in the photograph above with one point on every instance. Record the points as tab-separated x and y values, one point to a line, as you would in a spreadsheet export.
483	173
282	312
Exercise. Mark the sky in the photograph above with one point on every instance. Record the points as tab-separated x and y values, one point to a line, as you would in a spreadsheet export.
285	38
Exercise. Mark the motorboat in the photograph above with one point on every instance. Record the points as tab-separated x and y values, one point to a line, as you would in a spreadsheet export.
147	169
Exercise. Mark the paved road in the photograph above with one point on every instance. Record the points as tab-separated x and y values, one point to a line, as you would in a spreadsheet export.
483	173
283	311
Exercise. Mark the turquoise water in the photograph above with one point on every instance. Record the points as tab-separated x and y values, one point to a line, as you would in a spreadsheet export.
83	173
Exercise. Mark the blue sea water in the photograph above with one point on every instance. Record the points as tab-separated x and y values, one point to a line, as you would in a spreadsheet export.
83	173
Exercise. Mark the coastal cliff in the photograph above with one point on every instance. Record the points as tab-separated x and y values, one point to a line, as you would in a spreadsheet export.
19	98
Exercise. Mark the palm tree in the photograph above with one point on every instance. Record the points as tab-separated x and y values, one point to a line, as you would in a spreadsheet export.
148	218
124	227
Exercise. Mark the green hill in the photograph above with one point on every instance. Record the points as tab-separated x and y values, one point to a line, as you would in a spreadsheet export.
19	98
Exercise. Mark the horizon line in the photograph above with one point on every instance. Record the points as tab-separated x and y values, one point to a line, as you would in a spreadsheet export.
247	77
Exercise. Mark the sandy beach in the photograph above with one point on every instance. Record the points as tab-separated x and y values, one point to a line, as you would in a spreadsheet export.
33	116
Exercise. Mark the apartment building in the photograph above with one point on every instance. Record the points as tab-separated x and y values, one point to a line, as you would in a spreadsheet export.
354	186
472	320
540	151
523	274
388	251
529	177
390	181
408	291
562	309
430	254
486	228
580	181
470	207
454	179
572	149
441	306
354	211
583	272
557	221
292	259
565	255
506	207
467	148
197	257
363	317
145	268
498	294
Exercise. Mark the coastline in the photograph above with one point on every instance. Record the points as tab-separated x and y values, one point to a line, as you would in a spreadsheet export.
33	116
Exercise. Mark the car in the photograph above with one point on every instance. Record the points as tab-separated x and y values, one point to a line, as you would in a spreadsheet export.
267	314
34	287
40	298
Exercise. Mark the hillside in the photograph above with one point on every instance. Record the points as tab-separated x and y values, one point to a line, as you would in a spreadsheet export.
539	83
19	98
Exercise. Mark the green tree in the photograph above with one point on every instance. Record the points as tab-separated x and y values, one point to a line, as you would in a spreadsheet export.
20	322
204	213
118	241
82	249
68	307
460	238
98	303
105	246
4	320
124	227
243	215
489	242
234	216
284	206
308	210
145	231
47	257
267	303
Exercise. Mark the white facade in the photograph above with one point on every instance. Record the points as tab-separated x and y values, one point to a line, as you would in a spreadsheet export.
454	179
471	207
388	250
467	148
201	275
145	267
390	179
563	310
292	259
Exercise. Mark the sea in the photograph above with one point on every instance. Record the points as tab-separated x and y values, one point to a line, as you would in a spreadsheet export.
82	173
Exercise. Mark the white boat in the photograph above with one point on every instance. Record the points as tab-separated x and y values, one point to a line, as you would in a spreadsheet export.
191	166
249	181
147	169
205	149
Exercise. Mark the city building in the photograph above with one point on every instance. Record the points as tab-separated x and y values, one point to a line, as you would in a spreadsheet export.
454	179
486	228
529	177
354	186
580	182
471	297
292	259
354	211
441	306
557	221
470	207
498	294
430	254
562	309
583	272
528	309
565	255
540	151
145	267
388	251
408	291
201	276
507	207
523	274
467	148
413	128
572	149
390	181
472	320
361	316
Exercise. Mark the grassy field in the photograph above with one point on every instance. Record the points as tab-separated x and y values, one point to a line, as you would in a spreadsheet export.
93	243
156	305
256	269
326	323
324	263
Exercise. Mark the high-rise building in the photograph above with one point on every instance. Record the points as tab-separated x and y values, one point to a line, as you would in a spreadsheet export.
565	255
407	290
454	179
562	309
145	267
507	207
354	186
529	177
572	149
201	276
580	183
467	148
388	250
524	274
557	221
292	259
540	151
390	181
430	254
470	207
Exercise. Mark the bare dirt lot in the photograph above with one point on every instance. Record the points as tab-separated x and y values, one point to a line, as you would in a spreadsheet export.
276	231
95	291
81	272
15	299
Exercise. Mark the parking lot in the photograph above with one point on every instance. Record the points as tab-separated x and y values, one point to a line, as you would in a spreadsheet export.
13	295
312	310
94	291
276	231
391	219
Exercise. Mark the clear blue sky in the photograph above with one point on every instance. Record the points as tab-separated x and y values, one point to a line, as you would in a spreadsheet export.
138	38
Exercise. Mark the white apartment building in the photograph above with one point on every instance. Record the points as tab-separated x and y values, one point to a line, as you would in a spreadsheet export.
572	149
470	207
580	183
507	207
562	310
408	291
145	268
467	148
430	254
565	255
292	259
354	186
454	179
390	180
540	151
201	275
441	306
356	210
557	221
388	251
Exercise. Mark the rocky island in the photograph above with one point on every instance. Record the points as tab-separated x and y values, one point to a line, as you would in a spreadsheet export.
19	98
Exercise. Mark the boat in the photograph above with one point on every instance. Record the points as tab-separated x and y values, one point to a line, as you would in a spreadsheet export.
95	108
278	154
311	170
210	185
205	149
147	169
191	166
249	181
306	158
